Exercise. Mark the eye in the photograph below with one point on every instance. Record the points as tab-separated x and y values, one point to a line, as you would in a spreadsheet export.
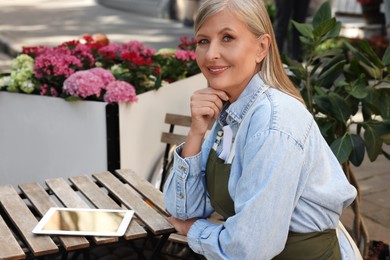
227	38
202	41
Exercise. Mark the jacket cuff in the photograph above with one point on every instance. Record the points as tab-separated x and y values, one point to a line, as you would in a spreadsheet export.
201	229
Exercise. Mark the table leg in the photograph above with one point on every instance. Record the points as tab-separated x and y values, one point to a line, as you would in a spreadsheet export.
160	244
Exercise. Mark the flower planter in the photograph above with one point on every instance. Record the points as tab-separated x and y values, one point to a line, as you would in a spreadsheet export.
372	13
142	123
46	137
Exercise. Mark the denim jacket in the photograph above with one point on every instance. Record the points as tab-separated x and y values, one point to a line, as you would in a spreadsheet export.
284	177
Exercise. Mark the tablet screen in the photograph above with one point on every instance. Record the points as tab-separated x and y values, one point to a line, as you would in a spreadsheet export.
79	221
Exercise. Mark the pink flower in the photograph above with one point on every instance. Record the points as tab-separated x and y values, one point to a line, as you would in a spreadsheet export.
185	55
105	75
55	64
120	91
83	84
137	47
110	51
84	53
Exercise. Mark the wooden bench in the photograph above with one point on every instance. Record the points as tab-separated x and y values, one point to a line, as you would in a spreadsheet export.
172	139
21	211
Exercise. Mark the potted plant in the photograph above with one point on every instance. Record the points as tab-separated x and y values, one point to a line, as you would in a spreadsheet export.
89	105
371	11
339	83
65	70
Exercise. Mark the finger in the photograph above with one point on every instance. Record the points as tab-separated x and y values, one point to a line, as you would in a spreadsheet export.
221	94
205	108
207	100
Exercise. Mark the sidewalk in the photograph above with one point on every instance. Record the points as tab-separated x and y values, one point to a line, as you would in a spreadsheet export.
45	22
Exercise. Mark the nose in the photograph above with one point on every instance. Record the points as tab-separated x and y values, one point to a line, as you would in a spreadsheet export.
213	51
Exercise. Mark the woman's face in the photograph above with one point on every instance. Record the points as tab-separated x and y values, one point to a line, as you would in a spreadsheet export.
227	53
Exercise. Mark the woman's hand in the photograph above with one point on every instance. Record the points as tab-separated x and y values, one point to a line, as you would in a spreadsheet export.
182	226
206	104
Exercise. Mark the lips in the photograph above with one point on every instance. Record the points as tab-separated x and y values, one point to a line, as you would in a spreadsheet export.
217	69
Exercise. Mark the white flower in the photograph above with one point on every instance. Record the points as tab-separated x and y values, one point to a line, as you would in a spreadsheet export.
27	86
4	81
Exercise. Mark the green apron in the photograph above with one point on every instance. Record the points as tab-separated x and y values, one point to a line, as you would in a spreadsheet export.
299	246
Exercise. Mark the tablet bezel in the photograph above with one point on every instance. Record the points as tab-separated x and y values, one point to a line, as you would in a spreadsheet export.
38	229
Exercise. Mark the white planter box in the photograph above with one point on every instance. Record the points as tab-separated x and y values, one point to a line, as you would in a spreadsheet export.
141	124
47	137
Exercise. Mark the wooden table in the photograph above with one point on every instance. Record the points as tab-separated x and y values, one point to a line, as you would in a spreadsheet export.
23	206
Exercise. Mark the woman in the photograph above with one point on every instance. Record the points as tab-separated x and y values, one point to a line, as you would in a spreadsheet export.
264	166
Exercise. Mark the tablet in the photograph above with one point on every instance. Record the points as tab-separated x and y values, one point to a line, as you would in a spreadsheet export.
84	222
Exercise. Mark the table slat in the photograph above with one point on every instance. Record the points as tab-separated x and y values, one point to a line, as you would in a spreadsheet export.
71	200
25	221
9	246
153	220
101	200
42	202
143	187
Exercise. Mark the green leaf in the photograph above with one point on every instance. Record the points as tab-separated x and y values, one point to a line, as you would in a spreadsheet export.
386	57
368	65
358	88
305	29
377	102
366	48
324	13
372	70
335	32
323	103
357	155
323	28
342	148
384	103
328	76
372	140
339	107
358	55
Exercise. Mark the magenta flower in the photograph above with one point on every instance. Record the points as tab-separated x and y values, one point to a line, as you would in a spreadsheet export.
55	64
139	48
105	75
120	91
110	51
83	84
185	55
84	53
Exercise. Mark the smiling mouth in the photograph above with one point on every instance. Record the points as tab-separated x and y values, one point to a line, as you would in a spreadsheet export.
217	70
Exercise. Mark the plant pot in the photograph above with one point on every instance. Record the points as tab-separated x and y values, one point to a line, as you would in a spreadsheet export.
47	137
142	123
372	13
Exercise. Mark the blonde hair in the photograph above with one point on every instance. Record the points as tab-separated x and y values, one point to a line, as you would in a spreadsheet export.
254	14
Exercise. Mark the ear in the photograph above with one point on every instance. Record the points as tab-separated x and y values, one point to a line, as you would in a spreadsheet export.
264	42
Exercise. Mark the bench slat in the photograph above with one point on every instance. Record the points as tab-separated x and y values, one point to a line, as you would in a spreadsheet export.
174	237
143	187
175	119
71	200
9	246
153	220
25	221
171	138
101	200
42	202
